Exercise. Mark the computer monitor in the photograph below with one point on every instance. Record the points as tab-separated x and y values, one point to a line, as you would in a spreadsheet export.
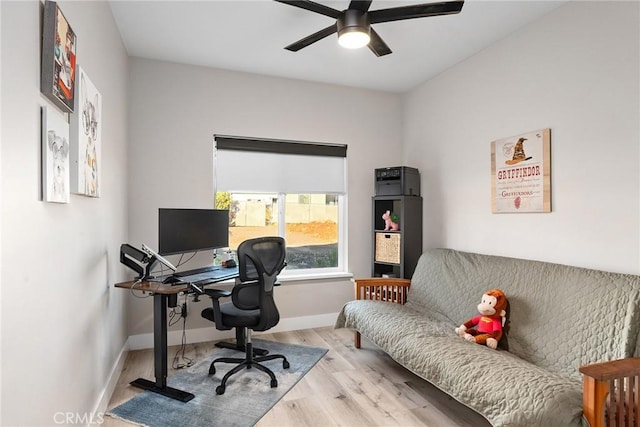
191	230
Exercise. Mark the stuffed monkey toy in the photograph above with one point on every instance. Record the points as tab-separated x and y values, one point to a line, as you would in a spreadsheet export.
488	325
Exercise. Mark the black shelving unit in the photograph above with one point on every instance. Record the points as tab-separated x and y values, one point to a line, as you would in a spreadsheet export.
396	253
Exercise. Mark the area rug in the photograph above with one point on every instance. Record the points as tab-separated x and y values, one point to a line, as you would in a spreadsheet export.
248	395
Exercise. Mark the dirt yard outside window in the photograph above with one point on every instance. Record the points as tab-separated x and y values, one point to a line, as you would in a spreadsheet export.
309	245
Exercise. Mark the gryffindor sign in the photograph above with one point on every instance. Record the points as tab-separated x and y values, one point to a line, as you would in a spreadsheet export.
521	173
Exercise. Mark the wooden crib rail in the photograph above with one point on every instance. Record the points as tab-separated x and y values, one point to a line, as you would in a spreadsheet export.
391	289
611	393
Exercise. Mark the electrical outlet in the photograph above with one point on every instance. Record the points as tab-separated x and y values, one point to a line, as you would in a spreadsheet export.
184	310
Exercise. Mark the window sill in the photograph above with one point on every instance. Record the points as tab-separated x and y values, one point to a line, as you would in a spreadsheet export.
301	277
314	276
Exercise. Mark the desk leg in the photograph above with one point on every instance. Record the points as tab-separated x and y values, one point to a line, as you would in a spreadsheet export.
160	355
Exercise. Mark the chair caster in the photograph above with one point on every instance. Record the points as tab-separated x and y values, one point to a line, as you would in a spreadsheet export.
212	370
274	383
285	364
220	390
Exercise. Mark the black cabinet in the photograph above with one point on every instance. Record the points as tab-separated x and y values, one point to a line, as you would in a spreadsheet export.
396	252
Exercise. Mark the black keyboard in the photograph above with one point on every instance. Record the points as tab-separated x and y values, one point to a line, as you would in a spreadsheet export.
216	275
195	271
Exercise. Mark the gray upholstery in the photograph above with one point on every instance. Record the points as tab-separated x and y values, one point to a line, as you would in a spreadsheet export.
561	317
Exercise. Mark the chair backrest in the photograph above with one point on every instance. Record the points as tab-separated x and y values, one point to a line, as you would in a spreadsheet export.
259	262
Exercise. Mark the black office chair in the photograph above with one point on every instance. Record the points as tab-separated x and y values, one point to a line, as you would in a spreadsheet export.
252	306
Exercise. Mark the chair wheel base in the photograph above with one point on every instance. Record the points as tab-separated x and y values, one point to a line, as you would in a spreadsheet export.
274	383
220	390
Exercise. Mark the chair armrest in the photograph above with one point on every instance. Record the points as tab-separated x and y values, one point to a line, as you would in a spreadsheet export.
217	293
390	289
609	388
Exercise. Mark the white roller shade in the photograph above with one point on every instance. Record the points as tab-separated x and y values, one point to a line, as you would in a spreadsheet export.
251	165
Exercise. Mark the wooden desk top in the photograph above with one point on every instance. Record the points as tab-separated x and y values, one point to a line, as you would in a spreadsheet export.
153	287
168	289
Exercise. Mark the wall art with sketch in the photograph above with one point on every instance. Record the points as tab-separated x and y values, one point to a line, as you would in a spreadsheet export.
55	156
86	129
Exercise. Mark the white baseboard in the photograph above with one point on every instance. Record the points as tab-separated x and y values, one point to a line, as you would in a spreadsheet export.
142	341
110	386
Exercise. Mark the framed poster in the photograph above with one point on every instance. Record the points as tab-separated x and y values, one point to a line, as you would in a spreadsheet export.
86	142
521	173
55	157
57	81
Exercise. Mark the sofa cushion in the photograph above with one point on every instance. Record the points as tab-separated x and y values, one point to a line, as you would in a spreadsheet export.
505	389
561	317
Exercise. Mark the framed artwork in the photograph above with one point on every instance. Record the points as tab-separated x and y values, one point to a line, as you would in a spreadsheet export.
86	141
57	81
521	173
55	157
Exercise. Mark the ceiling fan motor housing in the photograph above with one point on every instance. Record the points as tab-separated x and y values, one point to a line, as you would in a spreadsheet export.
353	20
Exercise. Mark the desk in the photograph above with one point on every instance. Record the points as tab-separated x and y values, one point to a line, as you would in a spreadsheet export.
161	294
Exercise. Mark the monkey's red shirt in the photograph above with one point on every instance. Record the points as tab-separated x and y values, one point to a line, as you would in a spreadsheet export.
487	324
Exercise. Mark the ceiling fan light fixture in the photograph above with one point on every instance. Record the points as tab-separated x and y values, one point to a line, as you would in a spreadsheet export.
354	38
353	29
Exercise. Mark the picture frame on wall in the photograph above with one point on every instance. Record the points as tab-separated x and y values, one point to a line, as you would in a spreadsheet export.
86	138
521	173
59	41
55	156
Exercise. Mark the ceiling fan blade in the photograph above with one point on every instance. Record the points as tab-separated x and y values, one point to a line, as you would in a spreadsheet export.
294	47
416	11
313	7
361	5
377	45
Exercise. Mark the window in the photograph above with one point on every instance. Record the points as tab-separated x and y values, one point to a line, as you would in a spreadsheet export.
287	192
310	227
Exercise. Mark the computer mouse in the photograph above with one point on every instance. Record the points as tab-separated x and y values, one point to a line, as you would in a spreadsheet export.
171	279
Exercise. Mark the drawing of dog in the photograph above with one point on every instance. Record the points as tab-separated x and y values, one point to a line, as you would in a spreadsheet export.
59	149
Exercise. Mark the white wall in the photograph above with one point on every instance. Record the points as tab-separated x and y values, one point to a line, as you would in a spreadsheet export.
176	109
575	71
63	322
1	387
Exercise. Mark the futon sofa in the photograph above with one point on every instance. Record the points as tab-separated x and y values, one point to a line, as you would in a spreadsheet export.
561	319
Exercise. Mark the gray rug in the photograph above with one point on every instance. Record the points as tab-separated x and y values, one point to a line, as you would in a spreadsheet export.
248	395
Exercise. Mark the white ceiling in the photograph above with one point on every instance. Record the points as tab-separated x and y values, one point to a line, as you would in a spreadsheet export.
250	36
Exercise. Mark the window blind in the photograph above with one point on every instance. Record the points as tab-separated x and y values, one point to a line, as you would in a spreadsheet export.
279	166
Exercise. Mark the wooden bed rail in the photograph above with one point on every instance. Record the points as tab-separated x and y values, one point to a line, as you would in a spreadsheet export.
390	289
611	393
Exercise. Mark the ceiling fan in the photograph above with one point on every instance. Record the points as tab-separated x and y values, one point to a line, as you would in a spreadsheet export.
353	25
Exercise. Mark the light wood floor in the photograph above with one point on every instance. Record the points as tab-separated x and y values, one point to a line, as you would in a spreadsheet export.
348	387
